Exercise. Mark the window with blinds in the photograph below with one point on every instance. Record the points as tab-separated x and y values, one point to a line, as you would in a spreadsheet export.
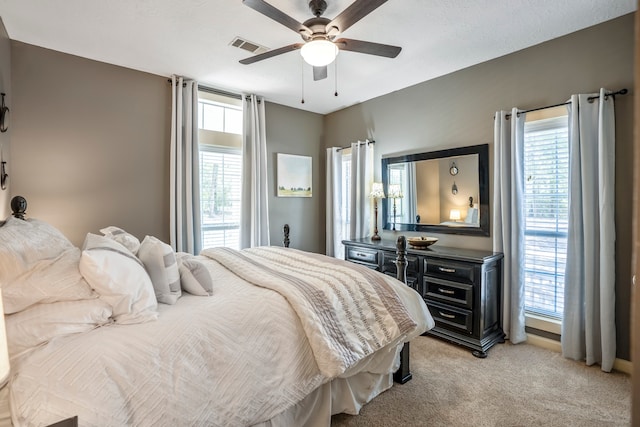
546	200
220	186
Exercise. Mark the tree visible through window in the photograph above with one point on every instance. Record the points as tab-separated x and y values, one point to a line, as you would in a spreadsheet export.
220	184
546	201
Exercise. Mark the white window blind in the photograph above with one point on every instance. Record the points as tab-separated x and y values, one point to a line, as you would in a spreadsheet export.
546	199
220	186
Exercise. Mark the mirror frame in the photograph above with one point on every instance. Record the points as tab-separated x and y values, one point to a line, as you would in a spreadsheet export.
483	180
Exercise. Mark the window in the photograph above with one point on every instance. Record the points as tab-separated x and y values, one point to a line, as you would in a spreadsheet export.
220	122
220	185
219	117
546	200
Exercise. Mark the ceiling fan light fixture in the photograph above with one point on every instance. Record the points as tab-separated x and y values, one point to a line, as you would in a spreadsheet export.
319	53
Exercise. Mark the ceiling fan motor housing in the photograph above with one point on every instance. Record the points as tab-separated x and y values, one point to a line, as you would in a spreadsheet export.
318	27
317	7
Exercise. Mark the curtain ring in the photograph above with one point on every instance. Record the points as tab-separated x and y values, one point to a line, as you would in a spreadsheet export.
4	110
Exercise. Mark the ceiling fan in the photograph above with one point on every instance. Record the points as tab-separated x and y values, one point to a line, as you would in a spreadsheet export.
320	46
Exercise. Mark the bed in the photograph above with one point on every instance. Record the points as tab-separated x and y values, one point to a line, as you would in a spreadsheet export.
123	332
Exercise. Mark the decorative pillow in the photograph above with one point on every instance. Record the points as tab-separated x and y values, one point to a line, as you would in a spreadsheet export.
127	240
43	322
119	278
38	264
472	216
194	276
159	259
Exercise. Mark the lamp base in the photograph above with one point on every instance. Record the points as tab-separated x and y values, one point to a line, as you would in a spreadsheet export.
376	237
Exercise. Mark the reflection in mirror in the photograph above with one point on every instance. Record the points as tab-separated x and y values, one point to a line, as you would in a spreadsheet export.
443	191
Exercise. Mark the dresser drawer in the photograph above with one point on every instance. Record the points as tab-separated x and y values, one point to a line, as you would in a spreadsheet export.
458	320
450	270
362	256
389	264
460	294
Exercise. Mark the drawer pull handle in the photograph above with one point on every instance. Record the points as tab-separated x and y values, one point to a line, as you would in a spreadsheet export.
448	316
447	270
446	291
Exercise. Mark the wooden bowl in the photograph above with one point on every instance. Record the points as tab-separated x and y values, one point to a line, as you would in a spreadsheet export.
421	242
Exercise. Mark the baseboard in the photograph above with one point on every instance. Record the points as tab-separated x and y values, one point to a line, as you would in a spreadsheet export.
619	365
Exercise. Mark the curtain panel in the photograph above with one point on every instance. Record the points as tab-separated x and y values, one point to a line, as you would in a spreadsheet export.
334	229
348	219
184	192
361	179
254	216
508	217
588	327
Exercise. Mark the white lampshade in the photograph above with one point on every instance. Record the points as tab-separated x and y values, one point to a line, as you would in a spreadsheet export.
454	214
319	52
377	192
4	352
395	191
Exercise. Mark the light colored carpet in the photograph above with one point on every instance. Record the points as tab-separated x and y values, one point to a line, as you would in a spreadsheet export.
516	385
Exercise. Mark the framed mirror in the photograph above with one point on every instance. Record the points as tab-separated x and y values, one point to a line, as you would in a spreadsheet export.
445	191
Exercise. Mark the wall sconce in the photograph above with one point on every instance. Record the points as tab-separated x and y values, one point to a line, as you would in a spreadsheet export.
454	188
454	214
377	192
4	116
3	176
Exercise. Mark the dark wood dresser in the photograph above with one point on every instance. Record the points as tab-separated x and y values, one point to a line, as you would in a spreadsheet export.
461	287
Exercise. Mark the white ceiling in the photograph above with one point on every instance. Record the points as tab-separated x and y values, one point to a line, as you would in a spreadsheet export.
192	38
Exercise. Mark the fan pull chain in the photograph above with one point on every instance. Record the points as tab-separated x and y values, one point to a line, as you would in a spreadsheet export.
336	78
302	78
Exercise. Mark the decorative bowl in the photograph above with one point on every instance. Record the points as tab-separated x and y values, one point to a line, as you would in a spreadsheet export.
421	242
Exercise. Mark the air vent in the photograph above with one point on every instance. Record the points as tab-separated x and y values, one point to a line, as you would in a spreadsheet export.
248	46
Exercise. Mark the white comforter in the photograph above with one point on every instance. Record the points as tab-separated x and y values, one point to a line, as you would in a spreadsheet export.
237	358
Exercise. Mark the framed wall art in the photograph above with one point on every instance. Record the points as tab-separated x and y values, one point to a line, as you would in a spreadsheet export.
294	175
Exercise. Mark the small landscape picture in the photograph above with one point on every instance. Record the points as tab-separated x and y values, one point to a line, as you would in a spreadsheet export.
294	175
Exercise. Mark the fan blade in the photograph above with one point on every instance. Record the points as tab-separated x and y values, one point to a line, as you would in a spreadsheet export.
352	14
271	53
319	73
368	47
271	12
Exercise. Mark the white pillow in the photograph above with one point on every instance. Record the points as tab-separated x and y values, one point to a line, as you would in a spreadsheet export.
195	278
43	322
472	216
120	279
127	240
159	260
38	264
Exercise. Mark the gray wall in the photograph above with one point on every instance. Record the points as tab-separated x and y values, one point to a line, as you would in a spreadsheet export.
5	137
293	131
92	142
457	110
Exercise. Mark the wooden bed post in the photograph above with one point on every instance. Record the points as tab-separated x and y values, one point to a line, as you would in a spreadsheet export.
403	374
19	206
285	242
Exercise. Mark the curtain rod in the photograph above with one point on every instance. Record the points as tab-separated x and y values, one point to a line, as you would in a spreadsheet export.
363	142
590	99
214	91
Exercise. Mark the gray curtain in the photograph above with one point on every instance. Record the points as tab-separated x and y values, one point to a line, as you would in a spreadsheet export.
254	216
184	174
508	217
588	327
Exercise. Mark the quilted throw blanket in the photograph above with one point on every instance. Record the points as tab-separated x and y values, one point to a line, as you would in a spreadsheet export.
347	311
